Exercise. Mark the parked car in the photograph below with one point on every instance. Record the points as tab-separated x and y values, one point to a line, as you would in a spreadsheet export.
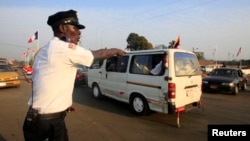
3	61
207	69
81	75
28	70
8	76
225	80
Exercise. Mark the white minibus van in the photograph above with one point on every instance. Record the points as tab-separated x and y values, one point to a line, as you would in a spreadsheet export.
160	80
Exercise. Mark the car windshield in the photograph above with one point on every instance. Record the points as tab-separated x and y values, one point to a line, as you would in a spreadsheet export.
223	72
5	68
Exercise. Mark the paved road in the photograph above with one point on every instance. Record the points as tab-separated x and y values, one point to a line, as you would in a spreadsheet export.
109	120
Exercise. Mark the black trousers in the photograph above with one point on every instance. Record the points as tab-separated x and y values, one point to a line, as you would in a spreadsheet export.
46	127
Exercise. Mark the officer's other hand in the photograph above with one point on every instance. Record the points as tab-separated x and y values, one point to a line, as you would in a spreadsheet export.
116	51
120	53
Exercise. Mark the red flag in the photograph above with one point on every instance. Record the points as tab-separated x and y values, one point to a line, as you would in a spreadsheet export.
33	37
177	42
239	51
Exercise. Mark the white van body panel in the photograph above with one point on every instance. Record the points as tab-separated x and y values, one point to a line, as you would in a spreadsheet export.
114	85
154	88
188	87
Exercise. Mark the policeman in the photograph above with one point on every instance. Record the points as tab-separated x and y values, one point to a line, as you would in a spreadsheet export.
54	71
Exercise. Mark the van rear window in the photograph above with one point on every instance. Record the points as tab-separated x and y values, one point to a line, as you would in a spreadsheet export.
186	64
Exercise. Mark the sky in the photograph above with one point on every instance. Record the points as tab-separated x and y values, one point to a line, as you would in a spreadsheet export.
216	27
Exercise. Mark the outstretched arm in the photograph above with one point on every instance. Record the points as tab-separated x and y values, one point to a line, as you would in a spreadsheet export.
107	53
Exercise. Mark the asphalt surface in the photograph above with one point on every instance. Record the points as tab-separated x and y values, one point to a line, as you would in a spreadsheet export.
13	112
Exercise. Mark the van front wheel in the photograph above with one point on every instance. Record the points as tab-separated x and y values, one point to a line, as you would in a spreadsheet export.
139	105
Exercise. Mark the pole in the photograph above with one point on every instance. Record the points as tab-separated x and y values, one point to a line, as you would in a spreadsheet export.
25	63
38	36
240	63
216	56
28	63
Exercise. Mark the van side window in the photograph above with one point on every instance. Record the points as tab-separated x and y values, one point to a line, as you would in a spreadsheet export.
96	64
157	65
141	64
115	64
122	64
111	64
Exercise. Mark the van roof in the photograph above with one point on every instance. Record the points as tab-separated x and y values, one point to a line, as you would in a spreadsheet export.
156	50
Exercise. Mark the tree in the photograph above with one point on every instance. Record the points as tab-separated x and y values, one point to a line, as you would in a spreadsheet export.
161	46
171	44
136	42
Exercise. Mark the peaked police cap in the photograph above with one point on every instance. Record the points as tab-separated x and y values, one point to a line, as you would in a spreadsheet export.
64	17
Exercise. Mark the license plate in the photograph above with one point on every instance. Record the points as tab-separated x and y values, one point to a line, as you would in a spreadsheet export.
2	84
213	87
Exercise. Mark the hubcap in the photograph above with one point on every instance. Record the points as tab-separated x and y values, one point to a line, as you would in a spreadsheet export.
138	104
95	91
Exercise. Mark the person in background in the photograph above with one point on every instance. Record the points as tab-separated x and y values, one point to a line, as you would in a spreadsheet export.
54	70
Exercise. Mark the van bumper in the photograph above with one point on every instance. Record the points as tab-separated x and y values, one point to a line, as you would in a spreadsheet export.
188	107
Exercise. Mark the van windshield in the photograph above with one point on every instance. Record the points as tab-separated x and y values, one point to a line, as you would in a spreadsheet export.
186	64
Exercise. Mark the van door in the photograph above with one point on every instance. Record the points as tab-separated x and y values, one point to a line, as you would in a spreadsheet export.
143	82
114	76
186	75
95	72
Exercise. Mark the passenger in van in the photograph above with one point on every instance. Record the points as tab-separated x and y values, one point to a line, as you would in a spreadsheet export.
122	66
111	66
139	68
158	67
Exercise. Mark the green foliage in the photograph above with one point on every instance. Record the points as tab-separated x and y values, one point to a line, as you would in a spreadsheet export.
171	44
136	42
161	46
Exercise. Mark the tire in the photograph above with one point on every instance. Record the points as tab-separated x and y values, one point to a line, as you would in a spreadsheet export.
76	84
139	105
235	90
244	87
96	92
